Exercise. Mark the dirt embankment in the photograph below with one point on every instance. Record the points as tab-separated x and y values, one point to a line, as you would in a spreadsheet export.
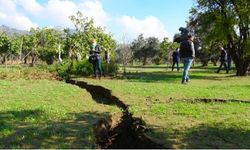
120	131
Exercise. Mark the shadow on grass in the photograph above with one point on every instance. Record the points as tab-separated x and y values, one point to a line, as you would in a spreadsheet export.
205	136
166	77
33	129
149	67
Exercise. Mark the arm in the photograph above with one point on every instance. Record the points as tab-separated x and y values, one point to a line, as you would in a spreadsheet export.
192	49
97	49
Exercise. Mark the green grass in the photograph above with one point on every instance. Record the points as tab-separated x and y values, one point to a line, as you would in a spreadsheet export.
174	114
44	113
47	114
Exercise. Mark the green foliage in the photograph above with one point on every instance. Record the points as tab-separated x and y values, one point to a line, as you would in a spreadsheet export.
84	68
224	23
85	31
167	47
5	43
145	49
48	44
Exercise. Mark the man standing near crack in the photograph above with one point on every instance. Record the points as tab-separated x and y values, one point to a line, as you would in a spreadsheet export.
96	59
187	54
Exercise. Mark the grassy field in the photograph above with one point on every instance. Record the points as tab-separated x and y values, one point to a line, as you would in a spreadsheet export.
38	112
175	114
46	113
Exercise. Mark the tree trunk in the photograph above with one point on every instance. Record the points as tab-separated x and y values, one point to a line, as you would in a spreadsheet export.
144	61
241	67
241	63
5	58
25	60
33	60
59	54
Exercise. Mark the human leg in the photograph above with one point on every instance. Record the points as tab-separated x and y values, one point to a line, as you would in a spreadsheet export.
220	67
94	67
173	65
187	64
178	65
99	67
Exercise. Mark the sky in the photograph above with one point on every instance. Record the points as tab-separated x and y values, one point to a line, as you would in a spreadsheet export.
125	19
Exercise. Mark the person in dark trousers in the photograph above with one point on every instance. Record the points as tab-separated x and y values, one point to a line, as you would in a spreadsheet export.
223	60
106	56
176	59
187	54
96	59
229	61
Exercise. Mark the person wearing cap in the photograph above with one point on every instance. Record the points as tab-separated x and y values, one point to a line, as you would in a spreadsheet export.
96	59
187	54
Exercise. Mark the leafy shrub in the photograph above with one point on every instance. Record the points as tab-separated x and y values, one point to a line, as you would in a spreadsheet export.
84	68
111	69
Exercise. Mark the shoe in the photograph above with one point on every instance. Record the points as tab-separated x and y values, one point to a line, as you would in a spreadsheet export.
187	80
183	82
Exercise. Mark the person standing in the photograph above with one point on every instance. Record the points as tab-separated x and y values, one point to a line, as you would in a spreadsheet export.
96	59
176	59
223	60
187	54
229	61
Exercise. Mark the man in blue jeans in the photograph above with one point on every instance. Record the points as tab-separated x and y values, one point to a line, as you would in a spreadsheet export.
187	54
96	59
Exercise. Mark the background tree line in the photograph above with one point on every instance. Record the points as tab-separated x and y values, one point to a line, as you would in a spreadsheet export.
51	44
214	23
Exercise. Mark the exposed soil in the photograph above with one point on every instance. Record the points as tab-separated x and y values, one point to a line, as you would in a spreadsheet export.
122	131
207	100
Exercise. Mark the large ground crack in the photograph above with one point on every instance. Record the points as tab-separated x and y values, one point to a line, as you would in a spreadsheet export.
128	132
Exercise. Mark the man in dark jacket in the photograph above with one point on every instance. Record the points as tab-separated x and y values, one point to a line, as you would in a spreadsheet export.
176	59
187	54
96	59
223	60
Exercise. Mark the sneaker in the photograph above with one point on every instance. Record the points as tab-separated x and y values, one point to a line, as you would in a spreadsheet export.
187	80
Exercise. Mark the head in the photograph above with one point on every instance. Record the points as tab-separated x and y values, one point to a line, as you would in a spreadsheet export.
94	42
221	48
191	37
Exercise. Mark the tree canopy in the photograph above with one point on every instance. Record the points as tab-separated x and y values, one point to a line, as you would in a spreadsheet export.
225	23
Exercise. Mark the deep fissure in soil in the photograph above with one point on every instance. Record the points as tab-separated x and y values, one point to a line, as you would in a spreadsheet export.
128	133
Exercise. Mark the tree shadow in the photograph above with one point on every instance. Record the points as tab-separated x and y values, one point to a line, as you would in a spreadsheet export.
161	136
149	67
218	136
204	137
164	77
33	129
